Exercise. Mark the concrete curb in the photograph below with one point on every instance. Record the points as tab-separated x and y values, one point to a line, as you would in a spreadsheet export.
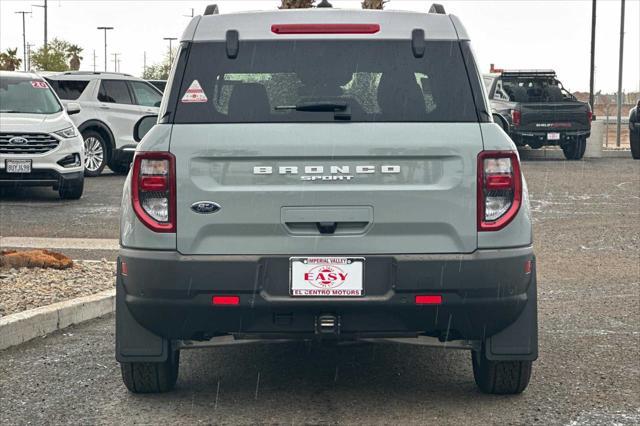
24	326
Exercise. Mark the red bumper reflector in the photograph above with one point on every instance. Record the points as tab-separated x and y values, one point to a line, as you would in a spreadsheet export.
124	270
225	300
429	299
325	28
527	267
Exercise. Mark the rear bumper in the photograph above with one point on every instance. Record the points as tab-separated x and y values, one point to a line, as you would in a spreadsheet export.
170	295
540	137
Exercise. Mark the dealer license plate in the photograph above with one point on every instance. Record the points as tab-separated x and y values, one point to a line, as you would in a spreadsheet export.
553	136
327	276
18	166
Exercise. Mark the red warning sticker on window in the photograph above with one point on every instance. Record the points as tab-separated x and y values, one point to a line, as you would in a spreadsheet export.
38	84
194	94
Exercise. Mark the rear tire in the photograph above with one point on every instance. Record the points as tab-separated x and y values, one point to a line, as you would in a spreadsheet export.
121	168
95	153
575	151
71	189
151	377
500	377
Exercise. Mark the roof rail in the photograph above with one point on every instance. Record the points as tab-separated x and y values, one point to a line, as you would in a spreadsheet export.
95	73
212	9
437	8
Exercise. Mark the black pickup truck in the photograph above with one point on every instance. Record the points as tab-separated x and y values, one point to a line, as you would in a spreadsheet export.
537	110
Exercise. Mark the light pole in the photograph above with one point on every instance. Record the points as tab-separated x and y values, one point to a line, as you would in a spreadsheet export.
105	29
24	41
115	61
45	7
593	54
620	73
170	39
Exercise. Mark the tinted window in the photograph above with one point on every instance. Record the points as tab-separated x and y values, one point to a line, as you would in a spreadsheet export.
114	91
23	95
378	80
145	94
68	89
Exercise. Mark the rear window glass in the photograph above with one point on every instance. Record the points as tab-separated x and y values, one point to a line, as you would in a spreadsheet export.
68	89
535	90
378	80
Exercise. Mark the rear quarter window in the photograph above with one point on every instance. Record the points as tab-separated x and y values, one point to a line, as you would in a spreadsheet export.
68	89
380	80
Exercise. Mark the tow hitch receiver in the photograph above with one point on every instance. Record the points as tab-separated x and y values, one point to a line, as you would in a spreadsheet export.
328	324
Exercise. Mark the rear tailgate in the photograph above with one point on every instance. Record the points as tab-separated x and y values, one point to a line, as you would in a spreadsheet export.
387	188
557	116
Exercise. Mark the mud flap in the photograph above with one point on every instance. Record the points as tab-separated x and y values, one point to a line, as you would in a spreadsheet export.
134	343
519	341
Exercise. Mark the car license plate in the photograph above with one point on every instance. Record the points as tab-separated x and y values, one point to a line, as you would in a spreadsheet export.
18	166
327	276
553	136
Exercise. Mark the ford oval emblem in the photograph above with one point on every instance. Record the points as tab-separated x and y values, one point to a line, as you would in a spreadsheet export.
18	140
205	207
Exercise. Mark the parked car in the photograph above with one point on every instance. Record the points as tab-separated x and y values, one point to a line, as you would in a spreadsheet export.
160	84
365	195
634	131
538	111
39	144
111	105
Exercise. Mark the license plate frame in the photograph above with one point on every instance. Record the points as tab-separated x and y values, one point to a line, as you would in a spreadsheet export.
341	276
553	136
18	166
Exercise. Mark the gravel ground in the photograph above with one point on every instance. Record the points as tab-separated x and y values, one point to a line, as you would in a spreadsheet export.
587	231
28	288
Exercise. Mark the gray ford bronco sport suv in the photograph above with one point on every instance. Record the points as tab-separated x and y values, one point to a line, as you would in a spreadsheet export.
332	175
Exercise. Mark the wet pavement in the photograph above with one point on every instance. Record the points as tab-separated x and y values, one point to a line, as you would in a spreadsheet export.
587	239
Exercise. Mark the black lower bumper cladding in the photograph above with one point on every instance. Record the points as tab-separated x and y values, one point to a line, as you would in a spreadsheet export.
487	296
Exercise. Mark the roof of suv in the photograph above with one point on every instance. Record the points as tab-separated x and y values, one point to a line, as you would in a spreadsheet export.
91	75
257	25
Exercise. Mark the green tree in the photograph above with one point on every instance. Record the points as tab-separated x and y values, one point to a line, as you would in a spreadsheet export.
53	57
159	71
373	4
9	60
296	4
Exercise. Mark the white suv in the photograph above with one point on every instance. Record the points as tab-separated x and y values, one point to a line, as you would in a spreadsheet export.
39	144
111	105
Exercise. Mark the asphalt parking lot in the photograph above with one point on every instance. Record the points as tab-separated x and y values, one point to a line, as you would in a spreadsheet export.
587	239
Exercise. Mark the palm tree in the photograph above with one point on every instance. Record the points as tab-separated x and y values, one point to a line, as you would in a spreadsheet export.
373	4
73	52
296	4
9	60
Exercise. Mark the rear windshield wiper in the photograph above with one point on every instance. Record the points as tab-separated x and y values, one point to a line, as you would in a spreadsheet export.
341	110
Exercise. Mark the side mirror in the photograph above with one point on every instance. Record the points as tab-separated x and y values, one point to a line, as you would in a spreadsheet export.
73	108
143	126
501	121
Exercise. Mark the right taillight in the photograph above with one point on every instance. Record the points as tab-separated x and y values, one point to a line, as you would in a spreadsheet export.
515	117
499	189
153	190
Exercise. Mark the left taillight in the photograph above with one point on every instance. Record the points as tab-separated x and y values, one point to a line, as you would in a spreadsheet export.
499	189
153	190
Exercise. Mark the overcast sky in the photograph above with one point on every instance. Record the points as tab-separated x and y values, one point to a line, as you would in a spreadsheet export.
511	34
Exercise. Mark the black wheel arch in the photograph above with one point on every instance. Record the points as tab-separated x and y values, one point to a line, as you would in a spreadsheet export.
101	128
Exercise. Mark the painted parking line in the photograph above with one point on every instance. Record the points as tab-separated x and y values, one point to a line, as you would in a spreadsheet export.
61	243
